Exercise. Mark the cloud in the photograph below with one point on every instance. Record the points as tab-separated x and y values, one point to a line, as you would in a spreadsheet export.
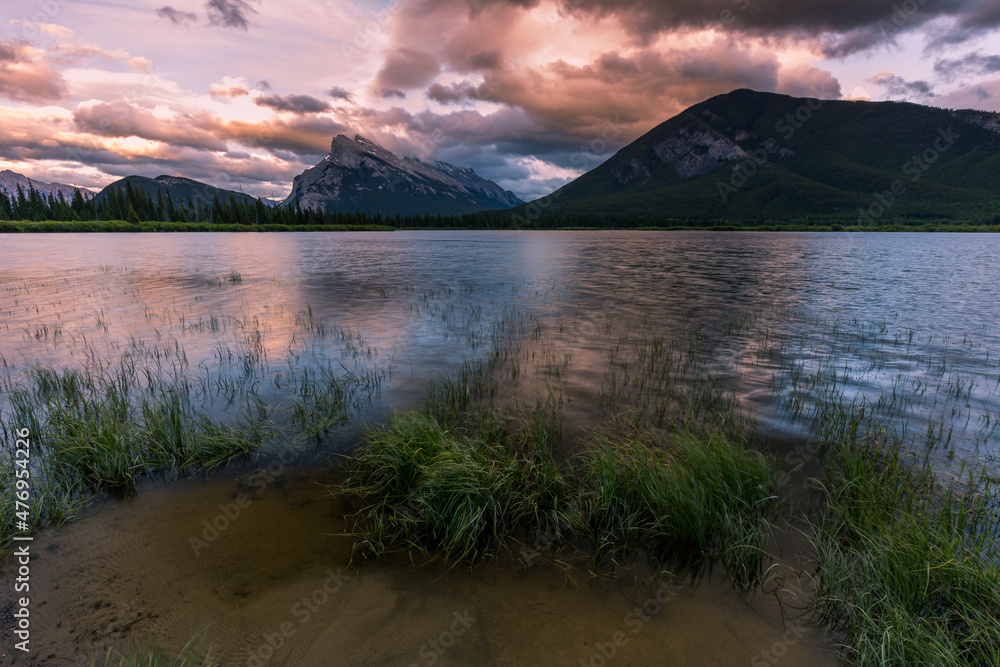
264	85
24	79
845	26
808	81
984	95
299	104
120	119
390	93
971	63
640	88
301	136
229	87
200	130
177	17
456	93
897	86
338	93
7	52
406	69
229	13
486	60
841	45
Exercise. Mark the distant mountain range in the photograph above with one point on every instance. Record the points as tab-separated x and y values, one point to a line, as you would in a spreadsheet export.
182	190
741	156
9	180
750	155
359	175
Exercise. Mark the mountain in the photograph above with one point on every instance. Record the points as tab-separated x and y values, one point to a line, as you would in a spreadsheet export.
181	190
750	155
9	180
359	175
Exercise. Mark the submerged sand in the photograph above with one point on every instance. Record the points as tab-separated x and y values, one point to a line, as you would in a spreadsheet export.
274	585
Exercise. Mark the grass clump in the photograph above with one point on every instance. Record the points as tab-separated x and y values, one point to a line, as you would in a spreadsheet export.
696	497
96	433
455	495
909	569
423	486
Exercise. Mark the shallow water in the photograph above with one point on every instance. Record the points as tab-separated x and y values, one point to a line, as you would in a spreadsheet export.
780	319
274	586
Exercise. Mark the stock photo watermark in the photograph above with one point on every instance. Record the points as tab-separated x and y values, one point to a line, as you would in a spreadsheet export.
914	168
433	649
230	512
760	158
22	549
779	649
302	612
593	151
635	620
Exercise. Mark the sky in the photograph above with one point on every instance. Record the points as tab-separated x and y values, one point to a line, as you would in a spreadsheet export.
247	94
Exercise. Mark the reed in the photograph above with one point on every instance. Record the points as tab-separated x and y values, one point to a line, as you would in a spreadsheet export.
908	565
193	654
691	498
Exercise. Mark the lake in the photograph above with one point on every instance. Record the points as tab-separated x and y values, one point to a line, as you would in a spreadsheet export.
880	313
266	328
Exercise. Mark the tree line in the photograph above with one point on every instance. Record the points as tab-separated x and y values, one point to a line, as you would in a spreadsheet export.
136	205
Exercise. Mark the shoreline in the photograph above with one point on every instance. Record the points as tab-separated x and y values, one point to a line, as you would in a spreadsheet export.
118	226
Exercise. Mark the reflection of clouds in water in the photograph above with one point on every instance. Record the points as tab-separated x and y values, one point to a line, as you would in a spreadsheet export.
425	302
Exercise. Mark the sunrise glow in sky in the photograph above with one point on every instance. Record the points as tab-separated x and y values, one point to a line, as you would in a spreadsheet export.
530	93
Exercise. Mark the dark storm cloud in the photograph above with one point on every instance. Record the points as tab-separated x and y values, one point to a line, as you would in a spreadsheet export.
846	26
982	15
229	13
648	16
300	104
177	17
855	41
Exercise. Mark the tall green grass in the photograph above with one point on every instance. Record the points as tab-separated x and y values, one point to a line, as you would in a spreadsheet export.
685	500
425	487
462	478
906	536
102	430
908	566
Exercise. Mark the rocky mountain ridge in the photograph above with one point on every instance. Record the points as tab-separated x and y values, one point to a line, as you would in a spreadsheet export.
360	175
